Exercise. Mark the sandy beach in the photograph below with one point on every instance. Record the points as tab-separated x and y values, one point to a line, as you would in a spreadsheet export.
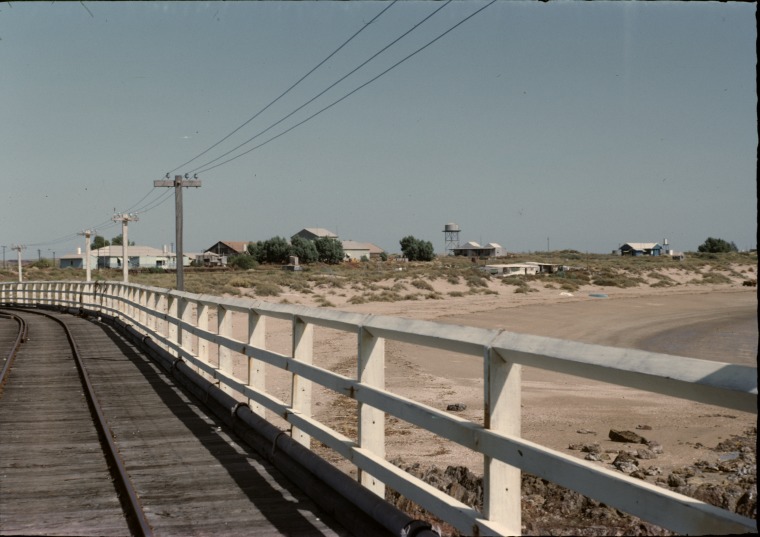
718	323
713	322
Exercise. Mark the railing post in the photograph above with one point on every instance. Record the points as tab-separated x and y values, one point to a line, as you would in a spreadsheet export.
202	324
303	351
256	370
501	481
371	430
184	313
172	311
142	305
161	309
224	319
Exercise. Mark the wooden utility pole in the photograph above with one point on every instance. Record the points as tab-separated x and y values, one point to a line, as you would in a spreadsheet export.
179	183
124	218
18	248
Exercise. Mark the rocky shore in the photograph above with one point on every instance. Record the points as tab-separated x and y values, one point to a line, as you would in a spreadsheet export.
727	479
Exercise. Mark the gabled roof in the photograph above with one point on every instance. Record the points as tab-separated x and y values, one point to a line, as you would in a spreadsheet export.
238	246
642	245
472	245
374	249
132	251
354	245
319	232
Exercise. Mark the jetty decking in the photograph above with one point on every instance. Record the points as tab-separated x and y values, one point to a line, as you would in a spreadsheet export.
191	476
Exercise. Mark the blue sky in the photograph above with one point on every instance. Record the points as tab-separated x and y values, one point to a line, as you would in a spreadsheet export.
572	125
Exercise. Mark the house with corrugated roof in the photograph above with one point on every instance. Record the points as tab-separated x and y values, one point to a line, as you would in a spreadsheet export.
356	251
641	248
473	249
228	248
138	257
314	233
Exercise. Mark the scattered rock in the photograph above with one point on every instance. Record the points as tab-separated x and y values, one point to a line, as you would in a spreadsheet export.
456	407
626	462
675	481
585	431
644	427
644	453
629	437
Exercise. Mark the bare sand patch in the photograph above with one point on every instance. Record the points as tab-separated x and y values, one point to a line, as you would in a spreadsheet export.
558	410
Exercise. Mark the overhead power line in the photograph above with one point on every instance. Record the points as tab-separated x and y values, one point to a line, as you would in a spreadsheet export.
203	170
328	88
281	95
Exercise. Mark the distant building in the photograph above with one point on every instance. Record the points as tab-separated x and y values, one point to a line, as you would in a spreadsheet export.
75	261
473	249
641	248
512	269
314	233
228	248
355	251
138	257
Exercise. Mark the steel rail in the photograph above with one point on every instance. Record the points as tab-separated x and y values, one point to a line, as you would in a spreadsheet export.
135	515
20	338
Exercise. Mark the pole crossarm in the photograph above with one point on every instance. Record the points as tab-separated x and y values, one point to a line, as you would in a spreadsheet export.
125	219
178	184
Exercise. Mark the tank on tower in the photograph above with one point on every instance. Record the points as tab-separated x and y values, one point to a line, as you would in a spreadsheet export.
451	236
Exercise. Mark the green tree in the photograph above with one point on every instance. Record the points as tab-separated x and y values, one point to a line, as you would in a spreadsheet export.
330	250
256	250
716	246
276	250
304	249
118	240
99	242
417	249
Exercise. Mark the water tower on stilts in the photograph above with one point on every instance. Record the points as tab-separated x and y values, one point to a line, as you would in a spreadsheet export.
451	236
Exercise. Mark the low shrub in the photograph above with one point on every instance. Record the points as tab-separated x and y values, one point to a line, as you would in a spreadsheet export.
267	289
422	284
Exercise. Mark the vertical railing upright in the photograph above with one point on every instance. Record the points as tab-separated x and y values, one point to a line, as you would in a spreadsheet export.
160	309
172	313
185	316
256	370
202	324
224	329
142	306
371	430
303	351
502	401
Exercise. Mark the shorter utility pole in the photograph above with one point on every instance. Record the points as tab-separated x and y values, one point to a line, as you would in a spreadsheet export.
18	248
4	257
124	218
87	234
178	185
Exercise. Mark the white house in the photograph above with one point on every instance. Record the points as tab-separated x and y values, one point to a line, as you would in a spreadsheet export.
473	249
512	269
355	251
139	257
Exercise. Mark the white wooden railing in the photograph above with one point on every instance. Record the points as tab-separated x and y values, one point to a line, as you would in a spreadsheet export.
180	322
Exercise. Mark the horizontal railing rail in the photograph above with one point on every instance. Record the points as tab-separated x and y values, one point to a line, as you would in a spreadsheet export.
181	323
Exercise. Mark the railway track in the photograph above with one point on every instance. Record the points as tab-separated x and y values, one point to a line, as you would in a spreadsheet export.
112	447
53	430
